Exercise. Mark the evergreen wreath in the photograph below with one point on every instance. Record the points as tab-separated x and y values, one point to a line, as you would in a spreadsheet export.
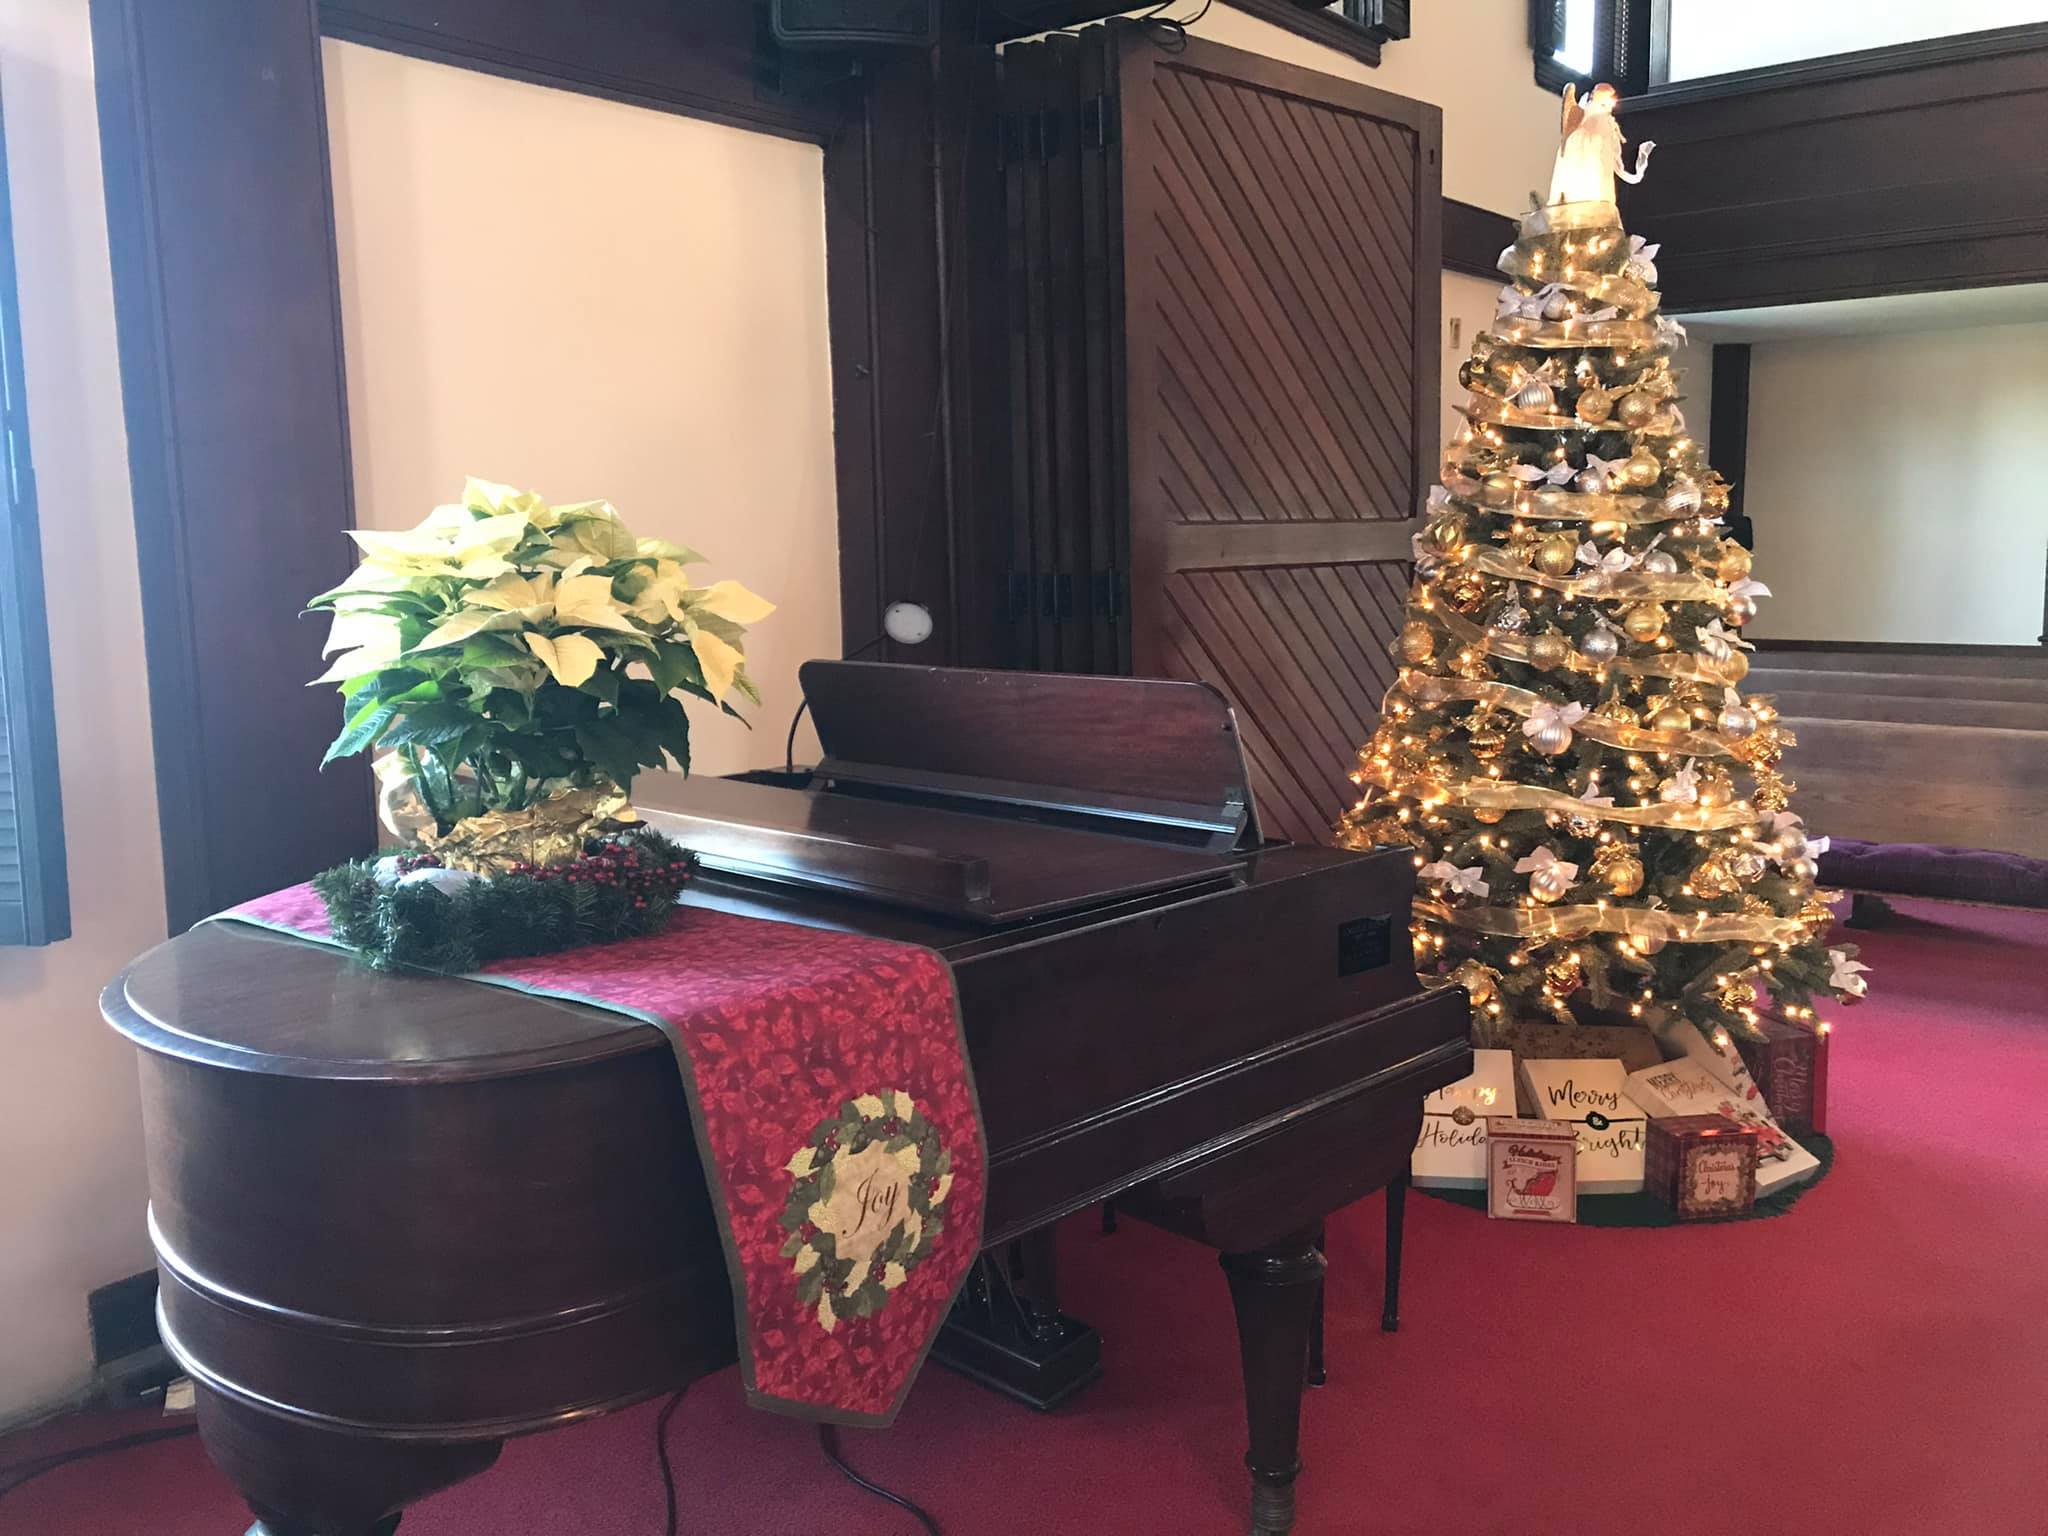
624	886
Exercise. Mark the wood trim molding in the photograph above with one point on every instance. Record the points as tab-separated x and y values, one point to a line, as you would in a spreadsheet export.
211	113
716	62
1318	26
1728	432
1474	237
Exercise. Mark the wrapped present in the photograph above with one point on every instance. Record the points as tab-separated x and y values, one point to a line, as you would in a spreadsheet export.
1702	1165
1791	1070
1451	1152
1544	1039
1593	1096
1531	1170
1687	1087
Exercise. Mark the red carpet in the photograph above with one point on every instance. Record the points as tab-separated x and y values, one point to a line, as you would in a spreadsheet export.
1873	1363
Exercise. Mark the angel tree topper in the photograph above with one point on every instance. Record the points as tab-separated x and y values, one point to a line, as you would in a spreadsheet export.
1590	157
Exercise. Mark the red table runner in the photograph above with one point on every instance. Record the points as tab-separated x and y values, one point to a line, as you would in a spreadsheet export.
836	1117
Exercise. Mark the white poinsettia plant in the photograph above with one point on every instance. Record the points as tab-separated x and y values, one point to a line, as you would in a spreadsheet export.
505	650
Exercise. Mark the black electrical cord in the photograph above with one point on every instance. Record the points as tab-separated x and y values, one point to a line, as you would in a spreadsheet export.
828	1442
668	1471
23	1472
797	719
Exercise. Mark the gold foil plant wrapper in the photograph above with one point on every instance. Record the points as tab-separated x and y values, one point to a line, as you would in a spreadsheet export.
554	831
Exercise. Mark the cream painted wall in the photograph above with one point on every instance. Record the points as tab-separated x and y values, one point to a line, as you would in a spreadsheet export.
1469	57
592	299
1895	489
1469	304
71	1202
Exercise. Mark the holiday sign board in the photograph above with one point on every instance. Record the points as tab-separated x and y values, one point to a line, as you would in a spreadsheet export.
1593	1096
1451	1152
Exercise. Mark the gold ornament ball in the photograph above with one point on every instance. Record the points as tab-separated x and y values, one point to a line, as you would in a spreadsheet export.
1736	667
1645	622
1447	533
1418	641
1549	883
1635	410
1716	791
1671	717
1487	815
1620	867
1643	468
1556	555
1497	490
1594	404
1549	650
1804	870
1735	561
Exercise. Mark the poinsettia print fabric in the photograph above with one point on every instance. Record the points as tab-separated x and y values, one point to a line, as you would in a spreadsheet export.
835	1113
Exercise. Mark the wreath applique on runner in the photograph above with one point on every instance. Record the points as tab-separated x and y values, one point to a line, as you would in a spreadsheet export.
864	1210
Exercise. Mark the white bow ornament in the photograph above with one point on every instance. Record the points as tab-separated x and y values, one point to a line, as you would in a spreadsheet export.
1458	882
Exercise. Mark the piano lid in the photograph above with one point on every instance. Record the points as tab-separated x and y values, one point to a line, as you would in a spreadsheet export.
998	797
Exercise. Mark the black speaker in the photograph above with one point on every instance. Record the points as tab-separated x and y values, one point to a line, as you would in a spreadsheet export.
856	23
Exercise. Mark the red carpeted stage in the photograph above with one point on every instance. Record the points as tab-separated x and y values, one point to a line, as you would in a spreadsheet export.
1871	1364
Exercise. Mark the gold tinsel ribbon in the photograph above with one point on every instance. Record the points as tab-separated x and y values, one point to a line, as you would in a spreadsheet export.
1698	669
1635	922
1616	288
1499	795
1443	690
1607	586
1522	332
1558	505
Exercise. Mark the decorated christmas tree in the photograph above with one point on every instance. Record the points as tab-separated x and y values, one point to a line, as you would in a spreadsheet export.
1599	822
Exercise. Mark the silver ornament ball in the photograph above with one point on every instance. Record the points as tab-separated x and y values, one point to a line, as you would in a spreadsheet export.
1659	563
1600	644
1550	738
1738	721
1511	618
1548	883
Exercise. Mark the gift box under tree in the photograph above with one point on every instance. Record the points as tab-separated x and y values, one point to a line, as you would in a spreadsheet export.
1702	1166
1790	1065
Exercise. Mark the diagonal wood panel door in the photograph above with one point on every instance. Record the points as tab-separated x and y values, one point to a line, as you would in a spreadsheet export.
1281	285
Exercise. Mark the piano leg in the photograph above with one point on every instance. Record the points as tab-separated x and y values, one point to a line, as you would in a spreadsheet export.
1397	1207
1318	1376
304	1481
1275	1291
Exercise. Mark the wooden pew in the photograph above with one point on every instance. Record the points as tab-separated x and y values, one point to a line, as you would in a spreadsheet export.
1882	781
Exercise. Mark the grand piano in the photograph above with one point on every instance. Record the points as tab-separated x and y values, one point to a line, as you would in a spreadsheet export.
401	1218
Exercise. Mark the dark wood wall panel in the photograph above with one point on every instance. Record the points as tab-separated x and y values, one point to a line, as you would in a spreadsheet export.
1907	169
1283	237
1302	650
213	142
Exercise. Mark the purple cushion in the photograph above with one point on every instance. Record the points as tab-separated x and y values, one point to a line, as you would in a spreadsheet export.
1916	869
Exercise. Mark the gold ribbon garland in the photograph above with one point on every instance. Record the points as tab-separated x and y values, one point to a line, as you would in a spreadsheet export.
1504	413
1698	669
1501	795
1597	727
1553	503
1605	586
1634	922
1559	334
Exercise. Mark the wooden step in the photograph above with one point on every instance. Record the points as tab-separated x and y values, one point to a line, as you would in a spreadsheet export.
1890	783
2030	661
1911	709
2018	690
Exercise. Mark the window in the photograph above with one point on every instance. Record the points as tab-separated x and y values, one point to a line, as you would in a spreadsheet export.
35	905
